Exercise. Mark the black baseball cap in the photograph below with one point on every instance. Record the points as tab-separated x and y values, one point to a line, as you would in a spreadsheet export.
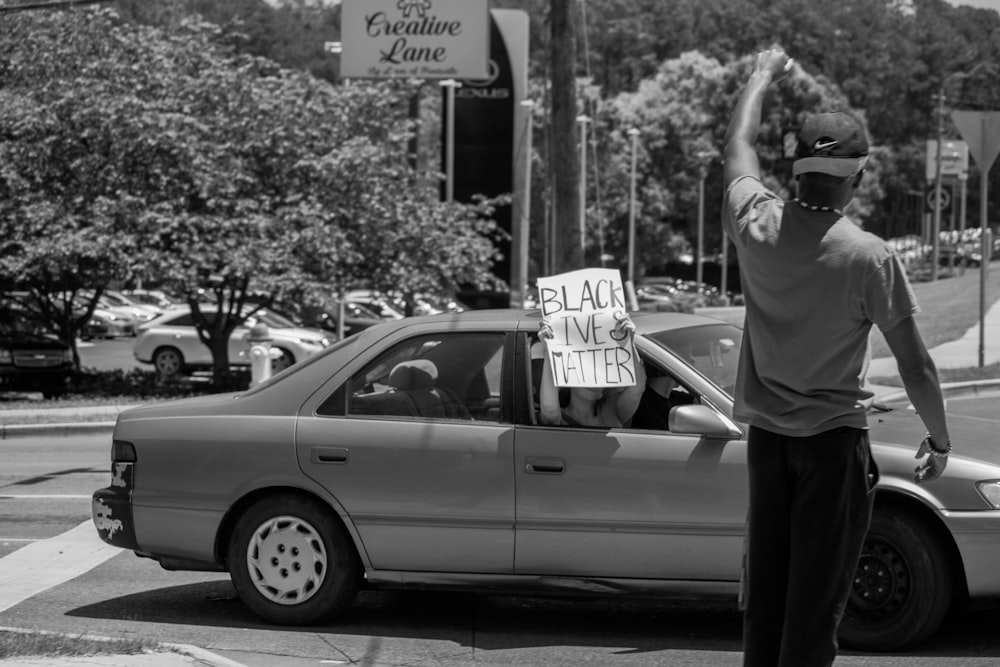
832	143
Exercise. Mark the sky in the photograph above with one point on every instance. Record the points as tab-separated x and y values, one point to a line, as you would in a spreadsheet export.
986	4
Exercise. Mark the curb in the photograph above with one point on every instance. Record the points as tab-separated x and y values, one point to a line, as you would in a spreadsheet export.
202	655
951	390
28	430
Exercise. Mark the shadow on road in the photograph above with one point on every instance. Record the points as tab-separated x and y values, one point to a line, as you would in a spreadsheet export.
499	622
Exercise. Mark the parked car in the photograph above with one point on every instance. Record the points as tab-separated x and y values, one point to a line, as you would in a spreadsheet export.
125	310
156	298
356	316
171	344
30	360
411	456
142	310
379	304
113	324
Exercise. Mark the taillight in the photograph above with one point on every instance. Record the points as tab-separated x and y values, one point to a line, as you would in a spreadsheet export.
6	357
122	452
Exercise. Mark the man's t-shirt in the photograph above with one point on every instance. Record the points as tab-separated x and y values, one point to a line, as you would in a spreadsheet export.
814	283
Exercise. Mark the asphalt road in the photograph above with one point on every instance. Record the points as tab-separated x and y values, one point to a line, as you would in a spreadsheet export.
110	354
45	485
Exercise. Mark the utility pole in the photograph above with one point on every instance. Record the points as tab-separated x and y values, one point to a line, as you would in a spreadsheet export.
562	54
936	226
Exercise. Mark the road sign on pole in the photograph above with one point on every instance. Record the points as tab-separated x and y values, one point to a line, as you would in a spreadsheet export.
982	130
931	195
954	158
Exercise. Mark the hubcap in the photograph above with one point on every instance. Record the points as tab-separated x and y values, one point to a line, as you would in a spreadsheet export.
168	363
881	582
286	560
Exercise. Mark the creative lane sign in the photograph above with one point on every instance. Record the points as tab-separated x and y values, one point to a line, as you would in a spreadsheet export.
583	307
424	39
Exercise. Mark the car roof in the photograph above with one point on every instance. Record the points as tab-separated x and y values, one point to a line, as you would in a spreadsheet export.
527	320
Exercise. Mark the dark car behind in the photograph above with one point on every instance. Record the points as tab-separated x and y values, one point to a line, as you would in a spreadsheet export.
31	361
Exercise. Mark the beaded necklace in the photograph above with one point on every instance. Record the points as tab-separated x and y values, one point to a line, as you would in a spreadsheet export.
821	209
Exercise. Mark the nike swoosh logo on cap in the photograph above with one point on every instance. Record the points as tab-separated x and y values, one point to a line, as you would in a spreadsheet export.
823	145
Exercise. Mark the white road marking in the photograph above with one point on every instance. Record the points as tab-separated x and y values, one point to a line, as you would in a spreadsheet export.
40	566
46	496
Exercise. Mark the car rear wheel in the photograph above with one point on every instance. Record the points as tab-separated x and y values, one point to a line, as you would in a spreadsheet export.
284	361
168	361
292	561
902	588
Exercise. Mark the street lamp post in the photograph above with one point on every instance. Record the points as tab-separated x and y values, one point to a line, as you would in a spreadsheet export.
634	135
582	122
523	235
449	168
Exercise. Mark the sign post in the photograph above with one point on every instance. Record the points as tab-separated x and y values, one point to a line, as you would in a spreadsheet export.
981	129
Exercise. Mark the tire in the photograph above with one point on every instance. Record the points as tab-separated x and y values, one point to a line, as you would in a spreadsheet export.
168	361
284	361
903	587
292	561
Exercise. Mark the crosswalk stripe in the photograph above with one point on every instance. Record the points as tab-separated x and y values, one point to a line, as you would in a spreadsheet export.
40	566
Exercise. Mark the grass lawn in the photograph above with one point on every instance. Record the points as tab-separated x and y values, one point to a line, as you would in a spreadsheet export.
949	307
18	643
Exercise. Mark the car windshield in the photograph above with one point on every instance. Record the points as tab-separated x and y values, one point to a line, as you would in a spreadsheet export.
712	349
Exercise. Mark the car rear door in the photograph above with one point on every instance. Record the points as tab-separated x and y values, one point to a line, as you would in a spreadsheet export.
425	493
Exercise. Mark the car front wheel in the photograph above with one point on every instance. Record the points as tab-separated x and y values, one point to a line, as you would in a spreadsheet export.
902	588
168	361
292	561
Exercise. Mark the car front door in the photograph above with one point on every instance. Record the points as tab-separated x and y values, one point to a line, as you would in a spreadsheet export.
615	503
629	503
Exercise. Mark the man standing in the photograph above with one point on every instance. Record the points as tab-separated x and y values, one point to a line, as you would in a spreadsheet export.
814	284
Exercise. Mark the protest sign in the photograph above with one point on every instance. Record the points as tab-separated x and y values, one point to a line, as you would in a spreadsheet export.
582	307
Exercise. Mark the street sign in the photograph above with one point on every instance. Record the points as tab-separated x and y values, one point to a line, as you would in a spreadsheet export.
929	199
981	129
954	158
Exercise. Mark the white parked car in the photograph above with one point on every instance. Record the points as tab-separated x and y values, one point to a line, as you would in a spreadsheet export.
170	342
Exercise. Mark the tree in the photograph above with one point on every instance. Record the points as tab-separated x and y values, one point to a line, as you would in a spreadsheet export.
682	113
229	172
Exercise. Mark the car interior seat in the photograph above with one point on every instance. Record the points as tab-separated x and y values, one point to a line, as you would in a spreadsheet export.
418	379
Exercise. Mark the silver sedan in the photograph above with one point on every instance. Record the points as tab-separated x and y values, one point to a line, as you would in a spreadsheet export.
411	456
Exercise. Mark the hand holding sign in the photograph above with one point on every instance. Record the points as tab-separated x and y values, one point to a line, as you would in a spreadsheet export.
587	330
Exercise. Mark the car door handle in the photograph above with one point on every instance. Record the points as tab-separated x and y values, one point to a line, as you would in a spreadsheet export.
544	465
328	455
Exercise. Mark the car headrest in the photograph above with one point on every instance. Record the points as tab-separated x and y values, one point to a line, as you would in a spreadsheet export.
416	374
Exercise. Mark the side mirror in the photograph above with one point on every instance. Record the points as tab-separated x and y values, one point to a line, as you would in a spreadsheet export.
702	420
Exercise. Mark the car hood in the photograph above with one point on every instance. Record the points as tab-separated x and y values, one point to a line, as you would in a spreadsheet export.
27	341
899	425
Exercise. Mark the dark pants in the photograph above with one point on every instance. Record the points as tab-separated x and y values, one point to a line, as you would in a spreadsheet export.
810	505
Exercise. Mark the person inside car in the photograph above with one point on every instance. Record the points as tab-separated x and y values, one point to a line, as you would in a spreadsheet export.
600	407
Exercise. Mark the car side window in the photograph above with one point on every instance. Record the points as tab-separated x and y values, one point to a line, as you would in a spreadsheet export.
443	377
663	392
